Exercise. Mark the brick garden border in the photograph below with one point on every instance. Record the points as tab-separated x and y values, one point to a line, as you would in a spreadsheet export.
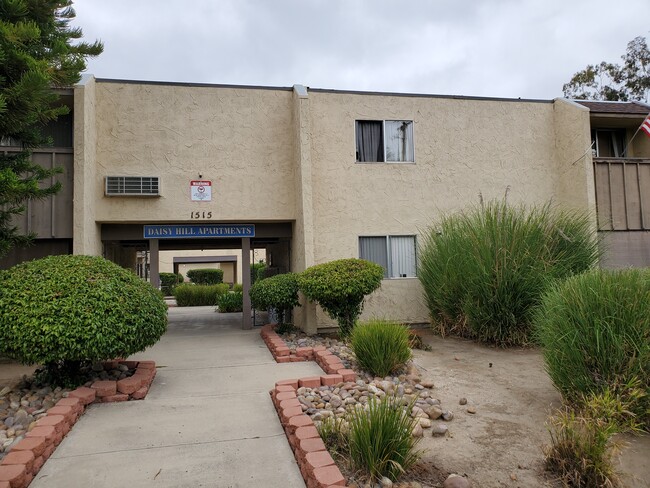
26	458
316	464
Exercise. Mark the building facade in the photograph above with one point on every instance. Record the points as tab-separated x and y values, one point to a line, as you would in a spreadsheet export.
315	175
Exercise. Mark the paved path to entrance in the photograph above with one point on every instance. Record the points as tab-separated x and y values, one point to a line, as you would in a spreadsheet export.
208	420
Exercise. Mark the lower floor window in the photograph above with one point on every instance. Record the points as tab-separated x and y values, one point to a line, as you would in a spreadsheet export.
396	254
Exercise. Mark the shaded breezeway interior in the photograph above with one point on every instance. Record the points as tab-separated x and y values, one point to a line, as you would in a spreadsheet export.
123	243
208	420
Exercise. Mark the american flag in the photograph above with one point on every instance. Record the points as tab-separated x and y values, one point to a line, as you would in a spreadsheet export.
645	127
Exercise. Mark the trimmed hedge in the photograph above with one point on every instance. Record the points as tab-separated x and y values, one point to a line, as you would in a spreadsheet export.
279	292
340	287
189	295
208	276
77	308
168	281
232	301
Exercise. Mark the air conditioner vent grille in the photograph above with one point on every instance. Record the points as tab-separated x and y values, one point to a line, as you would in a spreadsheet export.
132	186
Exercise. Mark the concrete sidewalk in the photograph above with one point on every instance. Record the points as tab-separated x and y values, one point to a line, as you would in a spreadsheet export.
208	420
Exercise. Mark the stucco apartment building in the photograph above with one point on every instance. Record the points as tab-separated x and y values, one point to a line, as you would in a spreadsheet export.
313	175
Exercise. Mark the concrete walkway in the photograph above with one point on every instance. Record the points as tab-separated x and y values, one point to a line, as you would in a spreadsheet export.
208	420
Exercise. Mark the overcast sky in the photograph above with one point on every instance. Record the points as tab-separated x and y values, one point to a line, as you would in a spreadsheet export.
501	48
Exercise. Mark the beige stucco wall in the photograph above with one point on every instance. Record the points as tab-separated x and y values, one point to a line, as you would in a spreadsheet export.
240	139
574	157
86	232
463	148
167	261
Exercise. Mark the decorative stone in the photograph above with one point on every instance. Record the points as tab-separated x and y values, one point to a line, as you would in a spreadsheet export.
456	481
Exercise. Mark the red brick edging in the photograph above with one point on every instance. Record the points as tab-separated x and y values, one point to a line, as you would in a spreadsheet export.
26	458
315	462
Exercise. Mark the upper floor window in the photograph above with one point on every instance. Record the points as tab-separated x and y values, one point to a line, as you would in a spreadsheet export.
608	143
384	141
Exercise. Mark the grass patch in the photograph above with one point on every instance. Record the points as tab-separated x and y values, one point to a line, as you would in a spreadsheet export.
381	347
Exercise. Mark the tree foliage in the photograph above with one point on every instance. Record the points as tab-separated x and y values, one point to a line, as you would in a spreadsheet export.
39	51
340	287
279	292
615	82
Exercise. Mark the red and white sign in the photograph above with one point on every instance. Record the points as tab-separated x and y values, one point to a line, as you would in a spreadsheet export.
201	190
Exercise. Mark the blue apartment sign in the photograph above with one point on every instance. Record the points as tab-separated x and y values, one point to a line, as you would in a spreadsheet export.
181	231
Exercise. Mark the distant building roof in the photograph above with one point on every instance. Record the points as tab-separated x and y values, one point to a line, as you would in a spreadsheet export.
631	108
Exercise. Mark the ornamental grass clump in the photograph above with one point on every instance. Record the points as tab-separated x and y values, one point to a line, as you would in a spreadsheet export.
595	332
380	439
582	450
62	311
189	295
381	347
483	271
230	302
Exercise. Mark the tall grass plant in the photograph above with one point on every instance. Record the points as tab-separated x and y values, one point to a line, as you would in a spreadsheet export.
484	270
381	347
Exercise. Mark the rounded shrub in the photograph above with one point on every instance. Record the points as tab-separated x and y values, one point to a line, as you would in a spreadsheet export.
381	347
340	287
207	276
595	332
279	292
77	308
168	281
483	271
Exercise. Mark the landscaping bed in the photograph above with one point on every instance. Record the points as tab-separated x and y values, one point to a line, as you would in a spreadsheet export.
34	417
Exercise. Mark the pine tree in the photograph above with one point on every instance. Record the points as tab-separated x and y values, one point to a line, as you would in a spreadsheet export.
39	51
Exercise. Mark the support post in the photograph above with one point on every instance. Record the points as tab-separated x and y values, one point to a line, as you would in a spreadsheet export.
154	264
246	323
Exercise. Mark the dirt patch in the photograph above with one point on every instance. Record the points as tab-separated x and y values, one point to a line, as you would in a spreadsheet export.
500	445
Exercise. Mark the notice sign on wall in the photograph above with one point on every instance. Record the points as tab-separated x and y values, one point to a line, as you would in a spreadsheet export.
201	190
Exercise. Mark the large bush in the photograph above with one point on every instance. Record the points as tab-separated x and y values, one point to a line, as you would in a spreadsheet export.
484	270
595	332
279	292
381	347
168	281
189	295
77	308
340	287
208	276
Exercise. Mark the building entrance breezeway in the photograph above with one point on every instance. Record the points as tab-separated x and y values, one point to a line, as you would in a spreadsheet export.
122	242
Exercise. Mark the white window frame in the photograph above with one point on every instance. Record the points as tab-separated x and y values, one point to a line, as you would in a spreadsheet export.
383	133
389	255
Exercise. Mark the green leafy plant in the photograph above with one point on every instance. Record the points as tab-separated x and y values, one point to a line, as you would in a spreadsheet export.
594	329
168	281
279	292
257	271
581	449
484	271
238	287
229	302
380	440
189	295
207	276
340	287
381	347
60	311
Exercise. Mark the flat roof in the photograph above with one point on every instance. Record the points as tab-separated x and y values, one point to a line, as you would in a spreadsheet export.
320	90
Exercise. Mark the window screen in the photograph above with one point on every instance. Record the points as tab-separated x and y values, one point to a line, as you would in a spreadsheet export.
374	249
396	254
